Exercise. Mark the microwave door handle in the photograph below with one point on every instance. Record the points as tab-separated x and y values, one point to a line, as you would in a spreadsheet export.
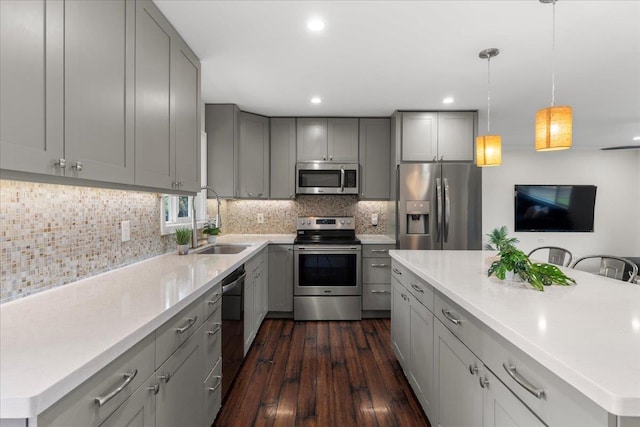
342	179
438	209
447	209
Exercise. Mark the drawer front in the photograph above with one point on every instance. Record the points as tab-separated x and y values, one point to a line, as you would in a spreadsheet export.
212	343
213	393
373	251
177	330
398	271
466	327
376	297
251	265
213	301
126	373
419	289
376	270
553	400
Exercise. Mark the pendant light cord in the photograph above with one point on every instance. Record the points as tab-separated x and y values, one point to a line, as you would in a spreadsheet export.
489	95
553	56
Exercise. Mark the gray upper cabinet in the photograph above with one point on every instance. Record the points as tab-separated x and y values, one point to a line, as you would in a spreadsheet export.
186	95
253	164
441	136
283	158
333	139
375	139
167	79
98	87
154	129
31	86
222	124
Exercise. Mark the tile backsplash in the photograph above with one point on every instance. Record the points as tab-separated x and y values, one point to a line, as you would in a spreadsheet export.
51	235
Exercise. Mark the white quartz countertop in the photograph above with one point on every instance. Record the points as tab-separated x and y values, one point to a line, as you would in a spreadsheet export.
587	334
375	239
53	341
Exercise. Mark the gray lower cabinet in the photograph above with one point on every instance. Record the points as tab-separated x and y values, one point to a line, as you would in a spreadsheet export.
438	136
253	160
138	410
256	296
327	139
281	278
99	70
375	149
283	158
501	408
376	277
32	86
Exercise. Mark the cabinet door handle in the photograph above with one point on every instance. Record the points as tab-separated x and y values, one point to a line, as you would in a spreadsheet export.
191	321
417	288
128	377
484	383
215	387
473	369
60	163
217	296
525	383
374	291
166	378
395	270
379	265
380	251
450	317
154	388
77	166
218	327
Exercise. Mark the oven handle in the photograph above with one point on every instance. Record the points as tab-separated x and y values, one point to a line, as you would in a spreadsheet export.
342	179
334	248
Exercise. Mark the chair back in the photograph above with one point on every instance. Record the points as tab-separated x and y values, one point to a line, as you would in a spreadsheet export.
613	267
557	255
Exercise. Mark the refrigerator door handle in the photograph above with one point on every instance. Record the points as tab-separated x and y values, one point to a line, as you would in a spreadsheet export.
438	209
447	209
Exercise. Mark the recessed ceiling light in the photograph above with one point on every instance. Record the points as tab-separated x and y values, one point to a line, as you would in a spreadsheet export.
315	25
316	100
447	100
636	138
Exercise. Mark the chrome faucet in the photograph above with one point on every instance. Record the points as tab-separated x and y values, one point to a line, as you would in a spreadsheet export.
194	221
217	218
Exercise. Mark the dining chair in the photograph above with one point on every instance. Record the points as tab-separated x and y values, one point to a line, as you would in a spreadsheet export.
613	266
557	255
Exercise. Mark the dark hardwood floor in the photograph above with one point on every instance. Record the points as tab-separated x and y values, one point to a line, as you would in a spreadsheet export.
321	374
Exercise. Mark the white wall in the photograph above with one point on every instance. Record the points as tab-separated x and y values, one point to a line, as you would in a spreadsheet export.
617	211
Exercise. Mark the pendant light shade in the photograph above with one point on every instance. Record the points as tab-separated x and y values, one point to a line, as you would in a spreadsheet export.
489	147
489	150
554	124
554	128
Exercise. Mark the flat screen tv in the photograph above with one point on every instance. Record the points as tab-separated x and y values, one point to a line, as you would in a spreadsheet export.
554	207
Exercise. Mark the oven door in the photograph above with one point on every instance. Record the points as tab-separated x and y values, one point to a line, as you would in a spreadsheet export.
327	270
326	178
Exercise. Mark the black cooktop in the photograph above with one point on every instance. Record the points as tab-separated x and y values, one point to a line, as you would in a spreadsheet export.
326	237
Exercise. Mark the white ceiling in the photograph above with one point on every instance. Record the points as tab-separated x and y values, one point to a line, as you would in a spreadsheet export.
378	56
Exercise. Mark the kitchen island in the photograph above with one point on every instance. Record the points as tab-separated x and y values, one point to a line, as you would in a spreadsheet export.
586	336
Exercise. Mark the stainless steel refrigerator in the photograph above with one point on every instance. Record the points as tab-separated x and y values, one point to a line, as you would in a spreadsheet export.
439	206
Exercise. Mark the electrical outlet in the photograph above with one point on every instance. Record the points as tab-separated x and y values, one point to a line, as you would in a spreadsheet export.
260	218
125	230
374	219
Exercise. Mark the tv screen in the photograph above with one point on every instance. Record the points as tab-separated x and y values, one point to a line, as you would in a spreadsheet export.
554	207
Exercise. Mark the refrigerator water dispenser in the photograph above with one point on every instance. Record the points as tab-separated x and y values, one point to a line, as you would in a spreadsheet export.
418	217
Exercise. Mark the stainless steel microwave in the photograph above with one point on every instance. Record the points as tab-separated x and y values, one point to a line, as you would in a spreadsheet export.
327	178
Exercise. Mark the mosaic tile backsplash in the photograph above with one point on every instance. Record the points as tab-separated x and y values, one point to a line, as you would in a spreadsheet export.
51	235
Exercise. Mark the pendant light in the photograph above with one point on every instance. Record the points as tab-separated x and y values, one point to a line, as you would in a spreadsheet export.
554	124
488	147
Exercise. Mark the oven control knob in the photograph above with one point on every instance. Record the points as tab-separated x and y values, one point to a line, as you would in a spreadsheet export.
348	221
342	221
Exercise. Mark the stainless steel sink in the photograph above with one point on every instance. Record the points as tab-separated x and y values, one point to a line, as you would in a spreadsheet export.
223	249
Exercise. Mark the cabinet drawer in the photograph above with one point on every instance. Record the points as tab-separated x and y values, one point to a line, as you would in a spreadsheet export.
176	331
466	327
251	265
422	291
213	301
376	270
372	251
558	403
211	339
213	394
376	297
113	385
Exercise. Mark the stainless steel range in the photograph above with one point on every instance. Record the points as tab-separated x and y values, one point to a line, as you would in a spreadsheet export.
327	265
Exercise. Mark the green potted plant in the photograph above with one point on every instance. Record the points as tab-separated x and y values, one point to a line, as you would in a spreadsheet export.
183	240
513	262
211	231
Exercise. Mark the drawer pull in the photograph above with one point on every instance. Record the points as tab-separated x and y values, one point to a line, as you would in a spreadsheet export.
380	251
379	265
450	317
484	383
215	387
525	383
473	370
417	288
374	291
191	321
218	327
128	377
395	270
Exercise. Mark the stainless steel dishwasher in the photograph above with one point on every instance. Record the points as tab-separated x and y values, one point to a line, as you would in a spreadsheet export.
232	327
